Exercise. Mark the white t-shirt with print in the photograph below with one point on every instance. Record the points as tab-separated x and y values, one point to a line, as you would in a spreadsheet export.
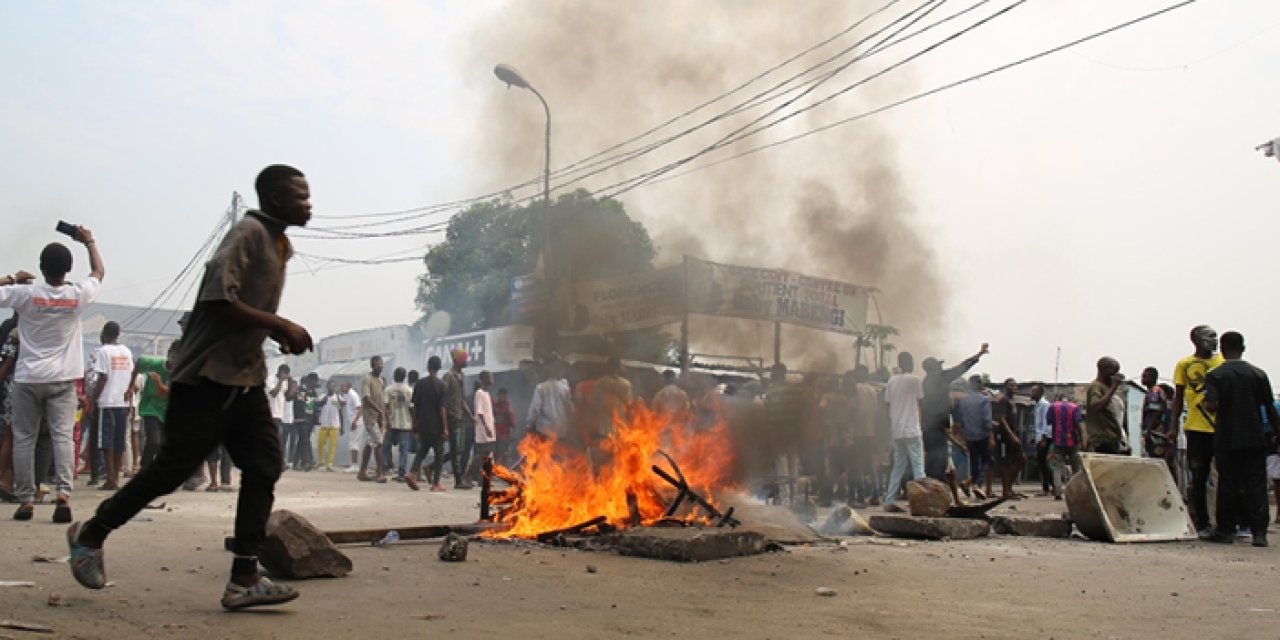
903	394
114	361
51	347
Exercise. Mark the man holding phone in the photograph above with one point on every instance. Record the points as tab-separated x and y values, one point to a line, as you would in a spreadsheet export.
50	360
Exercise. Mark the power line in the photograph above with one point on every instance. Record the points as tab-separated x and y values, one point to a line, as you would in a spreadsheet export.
342	231
738	88
939	89
755	100
140	316
329	234
895	36
746	131
648	177
456	204
357	260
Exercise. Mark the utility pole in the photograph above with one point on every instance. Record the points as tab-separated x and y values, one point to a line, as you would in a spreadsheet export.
234	211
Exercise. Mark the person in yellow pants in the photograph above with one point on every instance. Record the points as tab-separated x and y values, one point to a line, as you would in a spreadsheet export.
330	425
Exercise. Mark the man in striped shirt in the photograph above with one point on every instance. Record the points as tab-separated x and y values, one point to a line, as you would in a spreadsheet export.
1066	421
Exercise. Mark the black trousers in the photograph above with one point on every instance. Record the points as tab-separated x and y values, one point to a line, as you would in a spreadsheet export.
462	436
435	443
200	418
1242	490
1047	481
303	456
1200	461
154	432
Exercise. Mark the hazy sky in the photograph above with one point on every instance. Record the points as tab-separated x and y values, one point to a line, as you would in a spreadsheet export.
1103	200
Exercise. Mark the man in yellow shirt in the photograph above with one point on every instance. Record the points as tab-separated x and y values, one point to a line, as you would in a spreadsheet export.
1188	379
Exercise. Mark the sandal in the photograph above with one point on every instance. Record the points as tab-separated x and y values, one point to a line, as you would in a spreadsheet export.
62	512
263	592
25	511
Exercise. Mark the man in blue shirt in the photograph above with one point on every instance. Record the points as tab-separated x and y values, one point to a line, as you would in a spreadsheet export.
975	422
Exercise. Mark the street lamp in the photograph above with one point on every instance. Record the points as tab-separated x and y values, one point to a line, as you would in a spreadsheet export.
512	78
507	74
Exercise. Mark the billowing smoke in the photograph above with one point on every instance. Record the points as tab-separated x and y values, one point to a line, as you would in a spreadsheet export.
833	205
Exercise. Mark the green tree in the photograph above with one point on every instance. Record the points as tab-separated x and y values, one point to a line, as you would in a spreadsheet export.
469	273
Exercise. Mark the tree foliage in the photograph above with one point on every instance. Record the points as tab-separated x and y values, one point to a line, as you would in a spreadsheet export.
469	274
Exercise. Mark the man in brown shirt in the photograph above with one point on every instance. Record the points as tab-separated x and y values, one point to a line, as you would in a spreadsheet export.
373	407
217	395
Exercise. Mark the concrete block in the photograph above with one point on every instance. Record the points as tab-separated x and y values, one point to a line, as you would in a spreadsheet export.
689	544
930	528
1038	526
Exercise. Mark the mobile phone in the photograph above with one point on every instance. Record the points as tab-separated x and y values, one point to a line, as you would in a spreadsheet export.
67	229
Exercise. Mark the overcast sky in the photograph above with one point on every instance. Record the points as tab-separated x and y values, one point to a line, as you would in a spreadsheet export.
1103	200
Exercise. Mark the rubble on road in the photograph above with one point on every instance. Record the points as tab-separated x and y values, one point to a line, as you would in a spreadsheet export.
295	550
928	497
689	544
930	528
453	549
1036	526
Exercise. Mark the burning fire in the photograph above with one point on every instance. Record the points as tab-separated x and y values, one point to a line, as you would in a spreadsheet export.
560	486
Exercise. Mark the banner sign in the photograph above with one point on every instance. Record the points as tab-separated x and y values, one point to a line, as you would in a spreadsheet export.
625	303
776	295
473	343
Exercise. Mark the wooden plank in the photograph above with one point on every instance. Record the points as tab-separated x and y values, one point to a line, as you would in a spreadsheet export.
426	532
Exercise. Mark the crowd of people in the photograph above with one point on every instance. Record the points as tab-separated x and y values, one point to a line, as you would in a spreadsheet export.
187	419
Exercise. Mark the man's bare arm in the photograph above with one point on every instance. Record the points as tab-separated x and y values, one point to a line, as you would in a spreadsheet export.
96	270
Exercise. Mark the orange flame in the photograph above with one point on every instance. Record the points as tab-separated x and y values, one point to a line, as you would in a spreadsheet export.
560	486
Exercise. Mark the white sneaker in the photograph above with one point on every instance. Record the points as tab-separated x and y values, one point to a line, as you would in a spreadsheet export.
352	469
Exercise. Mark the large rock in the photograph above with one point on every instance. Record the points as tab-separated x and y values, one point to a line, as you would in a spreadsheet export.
930	528
929	498
1039	526
296	550
689	545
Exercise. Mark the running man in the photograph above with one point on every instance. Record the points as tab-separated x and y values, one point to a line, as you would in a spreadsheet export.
218	396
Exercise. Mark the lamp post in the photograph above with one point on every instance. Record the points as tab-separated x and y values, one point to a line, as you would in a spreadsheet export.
511	77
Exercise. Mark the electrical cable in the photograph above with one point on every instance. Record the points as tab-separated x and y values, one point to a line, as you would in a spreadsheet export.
936	90
138	317
746	131
426	209
813	84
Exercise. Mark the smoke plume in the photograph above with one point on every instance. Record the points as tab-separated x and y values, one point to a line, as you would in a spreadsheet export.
833	205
